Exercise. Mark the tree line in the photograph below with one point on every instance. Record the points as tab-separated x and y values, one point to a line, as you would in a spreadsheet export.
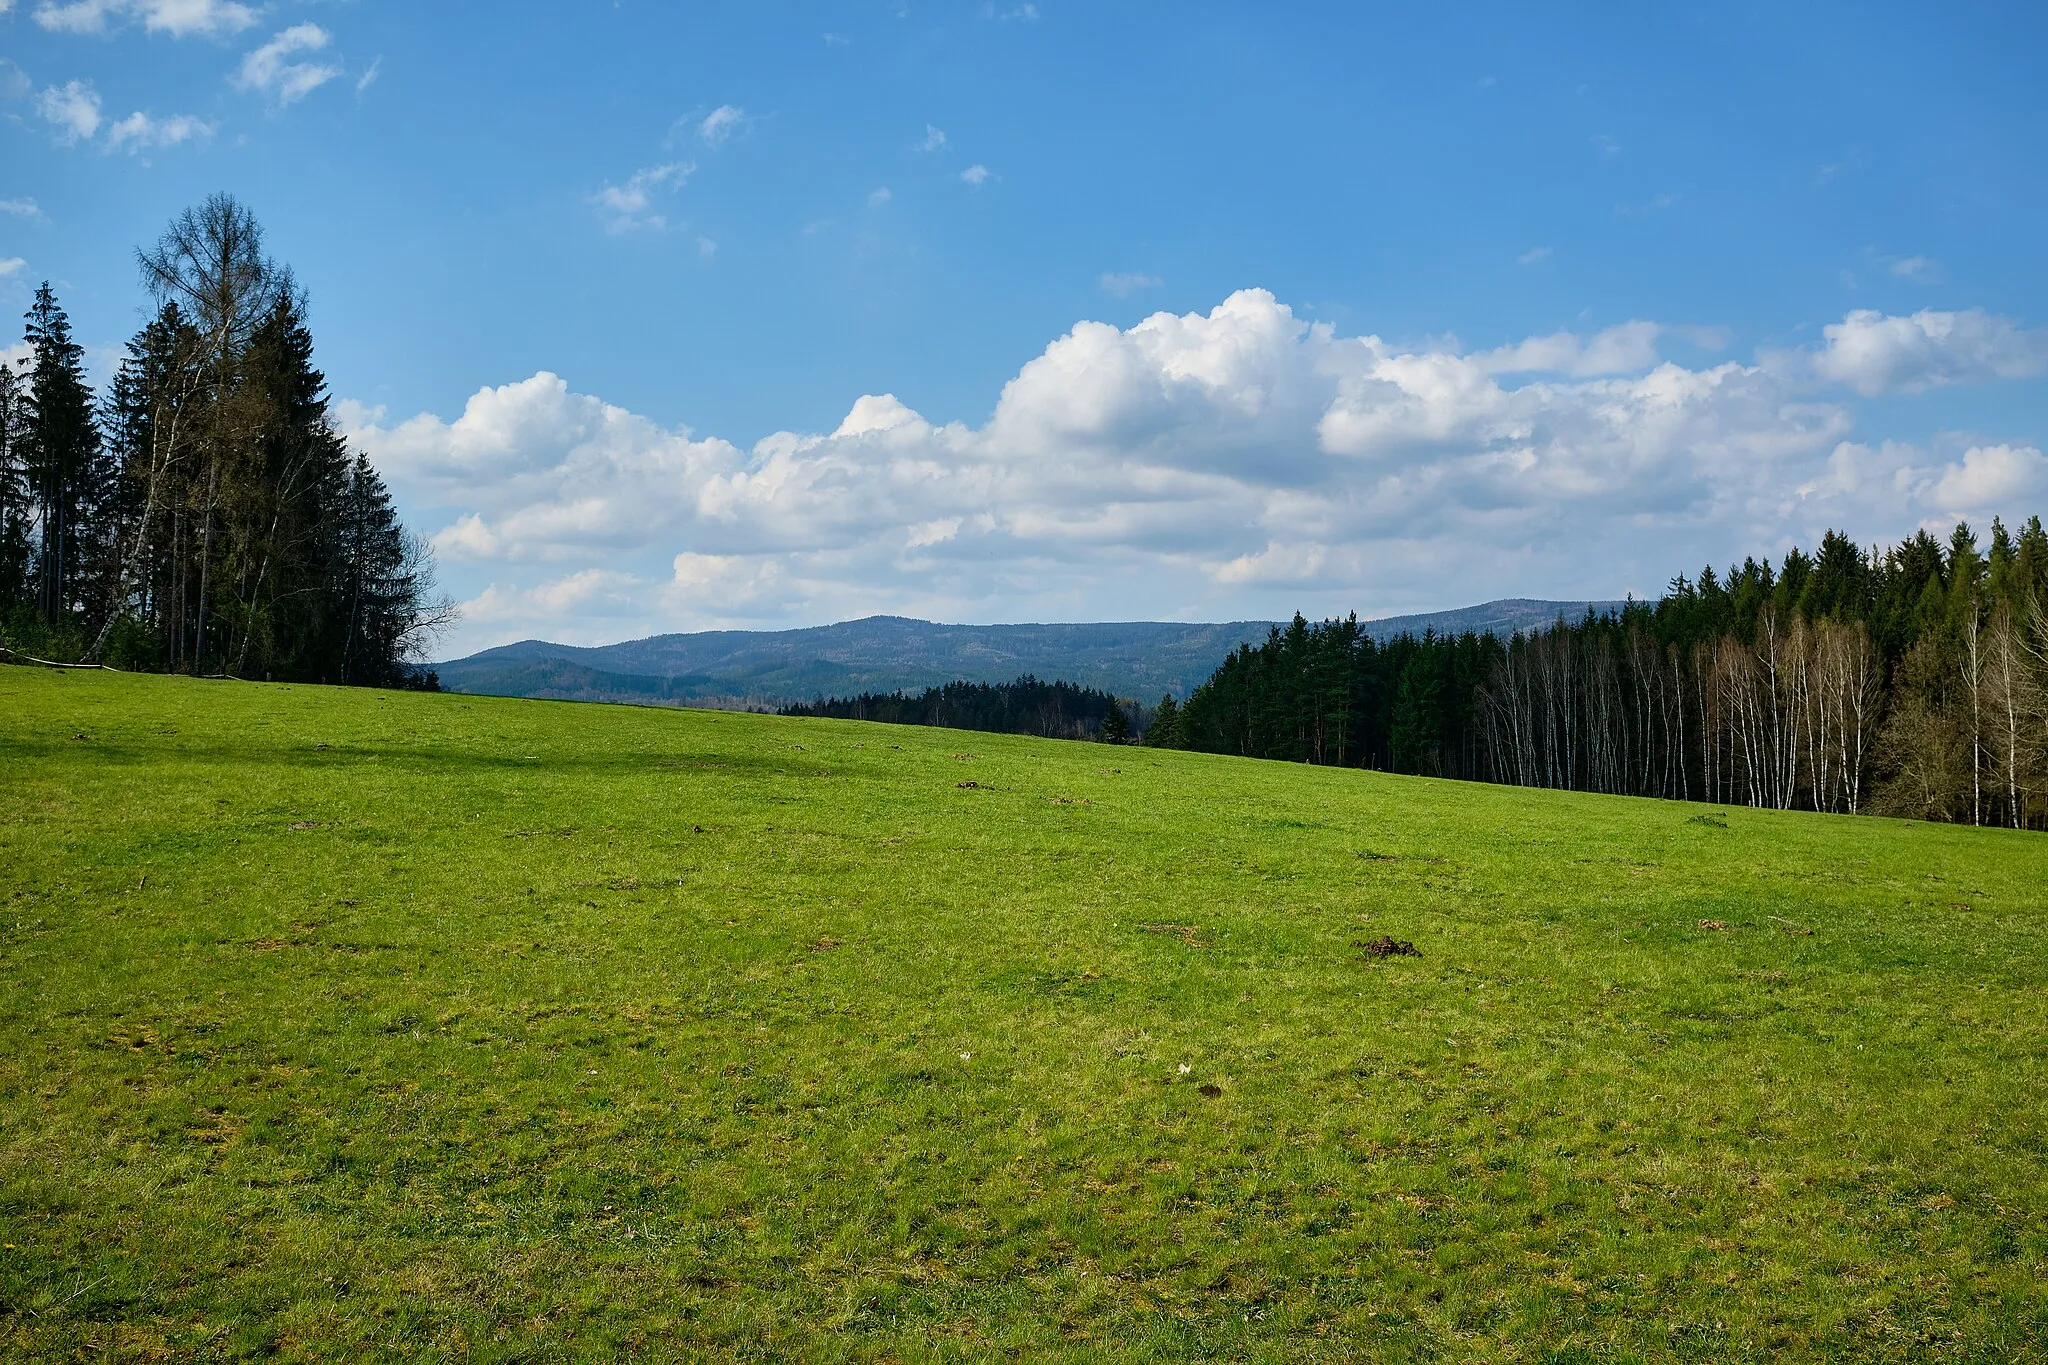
1050	710
1911	681
203	515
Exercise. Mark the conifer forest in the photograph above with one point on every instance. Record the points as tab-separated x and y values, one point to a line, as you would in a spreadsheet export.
1028	706
203	515
1909	681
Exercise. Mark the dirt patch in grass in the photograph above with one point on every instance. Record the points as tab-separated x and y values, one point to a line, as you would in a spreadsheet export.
1386	946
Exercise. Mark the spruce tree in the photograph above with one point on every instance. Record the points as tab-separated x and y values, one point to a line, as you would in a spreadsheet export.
382	585
61	446
16	516
1168	729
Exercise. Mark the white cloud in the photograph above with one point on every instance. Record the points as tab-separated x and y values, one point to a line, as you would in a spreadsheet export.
1913	268
721	123
976	175
1123	284
73	109
706	248
21	208
1872	352
934	139
178	18
628	206
140	132
878	197
270	70
1221	465
1897	486
1533	255
11	266
1617	350
1989	479
14	82
369	76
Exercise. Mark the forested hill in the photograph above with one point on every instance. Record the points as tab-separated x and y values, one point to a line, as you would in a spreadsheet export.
1910	681
1143	659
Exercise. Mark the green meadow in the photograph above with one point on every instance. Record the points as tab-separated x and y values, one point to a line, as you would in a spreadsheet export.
345	1025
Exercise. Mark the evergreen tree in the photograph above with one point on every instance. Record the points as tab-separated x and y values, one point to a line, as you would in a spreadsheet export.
16	513
1168	729
1116	726
381	584
61	449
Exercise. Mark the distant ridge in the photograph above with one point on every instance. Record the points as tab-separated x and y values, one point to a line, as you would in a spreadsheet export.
882	653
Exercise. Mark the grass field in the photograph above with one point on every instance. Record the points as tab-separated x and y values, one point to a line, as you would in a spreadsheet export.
344	1025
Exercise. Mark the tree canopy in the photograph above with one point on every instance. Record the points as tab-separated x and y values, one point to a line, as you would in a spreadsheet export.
204	514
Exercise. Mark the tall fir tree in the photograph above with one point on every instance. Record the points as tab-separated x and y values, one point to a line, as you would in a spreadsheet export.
16	514
61	449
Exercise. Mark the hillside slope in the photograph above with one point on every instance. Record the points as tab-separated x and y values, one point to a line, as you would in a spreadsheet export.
1141	659
349	1025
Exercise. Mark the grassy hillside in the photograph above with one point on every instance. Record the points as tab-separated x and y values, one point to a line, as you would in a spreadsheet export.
345	1025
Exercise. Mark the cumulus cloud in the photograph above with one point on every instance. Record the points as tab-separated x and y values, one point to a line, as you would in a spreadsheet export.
879	196
1239	462
976	175
21	208
270	69
1873	353
178	18
1990	478
629	206
1534	255
72	110
1630	346
934	139
1897	485
13	265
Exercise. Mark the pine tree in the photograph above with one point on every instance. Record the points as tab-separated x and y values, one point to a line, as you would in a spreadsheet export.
1415	737
1169	728
61	448
16	515
280	527
385	605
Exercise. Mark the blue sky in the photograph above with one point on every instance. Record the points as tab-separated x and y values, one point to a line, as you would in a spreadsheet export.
614	292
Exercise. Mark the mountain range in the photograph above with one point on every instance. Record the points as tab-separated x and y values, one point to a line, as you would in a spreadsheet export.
749	668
